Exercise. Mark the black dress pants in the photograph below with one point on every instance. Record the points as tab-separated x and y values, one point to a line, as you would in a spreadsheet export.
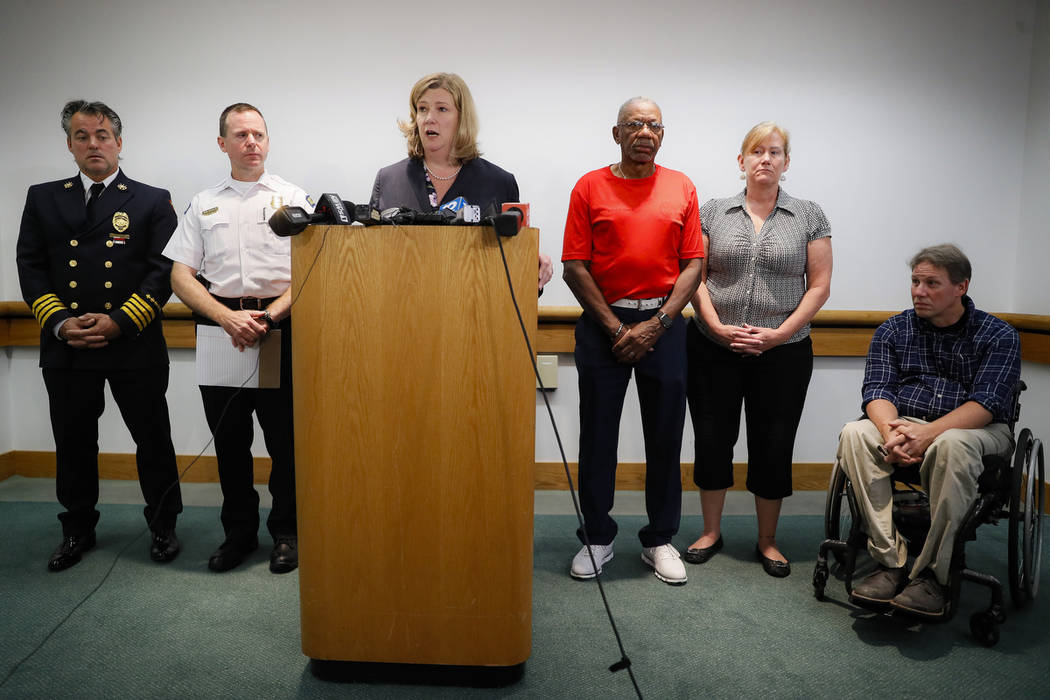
76	399
229	414
661	380
772	388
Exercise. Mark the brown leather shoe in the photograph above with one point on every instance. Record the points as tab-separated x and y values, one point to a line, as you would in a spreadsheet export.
880	587
923	597
69	551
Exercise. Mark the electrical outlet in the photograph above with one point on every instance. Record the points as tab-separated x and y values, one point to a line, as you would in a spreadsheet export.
548	367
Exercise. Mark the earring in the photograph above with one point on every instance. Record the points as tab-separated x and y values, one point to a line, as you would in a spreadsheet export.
783	177
743	176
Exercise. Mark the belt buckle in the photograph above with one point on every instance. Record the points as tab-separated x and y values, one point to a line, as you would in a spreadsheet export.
249	299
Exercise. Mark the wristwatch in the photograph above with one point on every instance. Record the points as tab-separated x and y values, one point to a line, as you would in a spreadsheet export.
665	320
270	323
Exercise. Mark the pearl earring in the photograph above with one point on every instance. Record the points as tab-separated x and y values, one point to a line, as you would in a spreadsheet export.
783	177
742	175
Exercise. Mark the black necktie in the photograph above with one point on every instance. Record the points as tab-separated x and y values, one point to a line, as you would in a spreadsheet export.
96	192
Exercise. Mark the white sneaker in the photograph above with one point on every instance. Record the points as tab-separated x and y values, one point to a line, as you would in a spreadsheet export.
581	563
666	562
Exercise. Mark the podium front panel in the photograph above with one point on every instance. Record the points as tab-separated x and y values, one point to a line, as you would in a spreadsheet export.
414	444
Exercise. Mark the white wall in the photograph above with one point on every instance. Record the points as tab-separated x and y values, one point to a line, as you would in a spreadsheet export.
903	114
1033	249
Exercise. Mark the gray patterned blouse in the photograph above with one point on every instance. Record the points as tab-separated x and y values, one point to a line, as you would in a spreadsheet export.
759	280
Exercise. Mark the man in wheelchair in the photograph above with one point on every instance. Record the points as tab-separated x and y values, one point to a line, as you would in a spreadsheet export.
938	393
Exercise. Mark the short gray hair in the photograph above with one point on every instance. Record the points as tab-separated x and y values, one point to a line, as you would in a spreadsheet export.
92	109
633	101
946	256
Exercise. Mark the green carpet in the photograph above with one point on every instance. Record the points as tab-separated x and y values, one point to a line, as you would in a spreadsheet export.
179	631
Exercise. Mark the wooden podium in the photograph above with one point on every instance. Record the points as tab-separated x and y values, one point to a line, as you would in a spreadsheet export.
414	448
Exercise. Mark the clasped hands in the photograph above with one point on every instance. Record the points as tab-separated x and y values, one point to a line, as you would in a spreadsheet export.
635	340
89	331
749	340
907	442
245	327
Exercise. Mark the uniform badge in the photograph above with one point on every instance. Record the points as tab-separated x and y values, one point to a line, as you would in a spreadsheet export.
120	221
117	238
67	185
121	186
311	201
276	202
209	212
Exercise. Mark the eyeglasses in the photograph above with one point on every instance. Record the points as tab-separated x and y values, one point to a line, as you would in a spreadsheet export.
635	125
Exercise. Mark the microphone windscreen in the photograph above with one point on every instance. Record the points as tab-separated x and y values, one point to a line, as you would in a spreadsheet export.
289	221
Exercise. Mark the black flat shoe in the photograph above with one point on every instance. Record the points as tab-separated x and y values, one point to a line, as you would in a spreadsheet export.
69	551
773	567
164	546
698	555
232	553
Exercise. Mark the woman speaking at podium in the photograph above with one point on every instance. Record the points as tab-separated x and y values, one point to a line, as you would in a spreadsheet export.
443	158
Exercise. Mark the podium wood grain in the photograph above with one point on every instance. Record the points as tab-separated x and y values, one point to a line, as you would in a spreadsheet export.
414	423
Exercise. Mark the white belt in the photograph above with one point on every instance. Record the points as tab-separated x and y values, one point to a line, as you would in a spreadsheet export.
640	304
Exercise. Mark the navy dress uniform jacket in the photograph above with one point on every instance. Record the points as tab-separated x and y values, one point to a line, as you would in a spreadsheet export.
68	266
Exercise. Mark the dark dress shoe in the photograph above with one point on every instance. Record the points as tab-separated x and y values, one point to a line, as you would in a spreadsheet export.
773	567
879	588
285	554
698	555
165	546
232	553
68	553
923	597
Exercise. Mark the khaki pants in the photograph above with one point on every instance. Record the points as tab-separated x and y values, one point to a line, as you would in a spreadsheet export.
949	474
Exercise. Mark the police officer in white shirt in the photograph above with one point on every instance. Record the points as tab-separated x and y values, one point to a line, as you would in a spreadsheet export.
234	272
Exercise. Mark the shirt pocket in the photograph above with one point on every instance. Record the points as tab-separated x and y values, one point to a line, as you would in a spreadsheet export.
218	239
271	242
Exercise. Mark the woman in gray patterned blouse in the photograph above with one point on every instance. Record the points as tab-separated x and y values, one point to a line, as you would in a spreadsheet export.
767	272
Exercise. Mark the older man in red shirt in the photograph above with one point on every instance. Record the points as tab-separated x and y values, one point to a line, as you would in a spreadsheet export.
632	254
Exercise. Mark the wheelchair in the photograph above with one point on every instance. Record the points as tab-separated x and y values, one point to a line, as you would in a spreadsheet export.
1012	491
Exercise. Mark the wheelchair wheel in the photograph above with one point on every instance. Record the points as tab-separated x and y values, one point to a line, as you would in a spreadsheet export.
838	517
1025	535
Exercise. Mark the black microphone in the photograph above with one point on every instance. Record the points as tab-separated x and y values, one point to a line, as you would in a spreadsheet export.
291	221
506	223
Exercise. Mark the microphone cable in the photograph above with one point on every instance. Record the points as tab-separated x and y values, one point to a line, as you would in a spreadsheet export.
164	495
625	661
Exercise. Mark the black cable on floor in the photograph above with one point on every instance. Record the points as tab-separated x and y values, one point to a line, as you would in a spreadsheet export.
624	662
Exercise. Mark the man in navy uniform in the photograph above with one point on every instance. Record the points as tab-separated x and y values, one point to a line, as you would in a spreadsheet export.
90	266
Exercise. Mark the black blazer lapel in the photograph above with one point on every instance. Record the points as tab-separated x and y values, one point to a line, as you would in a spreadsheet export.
69	202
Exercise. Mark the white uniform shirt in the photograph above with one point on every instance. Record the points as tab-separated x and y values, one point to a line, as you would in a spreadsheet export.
224	234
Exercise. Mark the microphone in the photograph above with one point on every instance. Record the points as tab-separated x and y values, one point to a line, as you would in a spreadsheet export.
465	213
506	223
291	221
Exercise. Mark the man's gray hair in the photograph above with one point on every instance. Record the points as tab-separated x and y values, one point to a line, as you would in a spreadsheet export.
946	256
633	101
92	109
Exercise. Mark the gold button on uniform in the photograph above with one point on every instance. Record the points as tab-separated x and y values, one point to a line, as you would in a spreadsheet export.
108	306
109	244
109	263
74	243
108	285
74	306
72	284
72	263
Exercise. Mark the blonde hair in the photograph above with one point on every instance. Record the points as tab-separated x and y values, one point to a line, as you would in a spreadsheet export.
465	143
759	132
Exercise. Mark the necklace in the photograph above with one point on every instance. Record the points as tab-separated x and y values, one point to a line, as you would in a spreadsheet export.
621	175
438	177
